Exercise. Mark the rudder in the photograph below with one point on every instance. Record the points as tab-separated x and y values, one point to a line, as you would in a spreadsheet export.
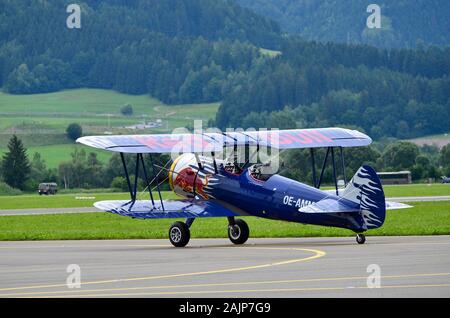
365	189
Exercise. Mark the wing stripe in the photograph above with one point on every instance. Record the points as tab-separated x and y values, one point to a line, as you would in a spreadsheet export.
209	142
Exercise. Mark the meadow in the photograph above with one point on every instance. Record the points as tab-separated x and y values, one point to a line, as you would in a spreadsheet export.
438	140
69	200
86	101
425	218
40	120
86	198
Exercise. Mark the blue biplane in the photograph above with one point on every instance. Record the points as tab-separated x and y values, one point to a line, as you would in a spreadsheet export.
226	188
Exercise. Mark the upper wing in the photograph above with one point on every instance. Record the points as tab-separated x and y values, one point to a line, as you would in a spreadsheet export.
208	142
172	209
160	143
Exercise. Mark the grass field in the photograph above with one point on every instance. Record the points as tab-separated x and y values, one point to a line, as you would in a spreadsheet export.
269	53
40	120
412	190
96	110
70	200
438	140
84	102
426	218
55	154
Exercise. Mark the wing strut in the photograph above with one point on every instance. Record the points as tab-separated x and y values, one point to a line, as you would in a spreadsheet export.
157	181
136	177
148	184
317	183
127	176
134	188
323	168
343	166
334	171
313	163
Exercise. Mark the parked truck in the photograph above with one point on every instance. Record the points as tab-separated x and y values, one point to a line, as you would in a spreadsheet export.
48	188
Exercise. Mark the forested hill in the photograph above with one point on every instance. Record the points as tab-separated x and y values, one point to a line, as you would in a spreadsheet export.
404	23
171	49
191	51
397	93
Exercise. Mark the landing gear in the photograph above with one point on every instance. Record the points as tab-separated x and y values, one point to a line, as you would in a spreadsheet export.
360	238
238	231
179	234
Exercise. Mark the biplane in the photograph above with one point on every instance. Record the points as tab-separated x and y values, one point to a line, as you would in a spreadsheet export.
213	187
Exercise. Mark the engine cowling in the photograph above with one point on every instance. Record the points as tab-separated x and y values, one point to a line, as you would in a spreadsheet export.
184	178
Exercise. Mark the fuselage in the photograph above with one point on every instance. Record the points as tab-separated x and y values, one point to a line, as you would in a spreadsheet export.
277	198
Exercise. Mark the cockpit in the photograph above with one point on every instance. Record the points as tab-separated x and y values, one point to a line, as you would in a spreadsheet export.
261	171
233	167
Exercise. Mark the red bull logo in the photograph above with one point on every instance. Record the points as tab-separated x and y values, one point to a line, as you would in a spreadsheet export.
184	180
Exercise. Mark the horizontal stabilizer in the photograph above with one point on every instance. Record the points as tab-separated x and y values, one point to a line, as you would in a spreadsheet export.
144	209
396	205
363	195
390	205
340	206
331	206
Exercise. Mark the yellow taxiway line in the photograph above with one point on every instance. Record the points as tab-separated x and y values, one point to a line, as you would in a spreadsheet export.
329	279
316	254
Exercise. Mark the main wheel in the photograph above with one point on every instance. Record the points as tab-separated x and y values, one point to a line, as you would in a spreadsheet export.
360	238
179	234
238	232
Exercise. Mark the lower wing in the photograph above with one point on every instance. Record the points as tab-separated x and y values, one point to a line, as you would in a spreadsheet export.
168	209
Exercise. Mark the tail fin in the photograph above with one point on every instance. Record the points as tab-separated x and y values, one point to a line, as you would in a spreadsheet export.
366	190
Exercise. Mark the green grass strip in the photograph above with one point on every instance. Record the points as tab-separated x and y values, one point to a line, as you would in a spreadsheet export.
425	218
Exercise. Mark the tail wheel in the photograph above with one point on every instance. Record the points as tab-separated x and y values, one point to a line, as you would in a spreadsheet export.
238	232
360	238
179	234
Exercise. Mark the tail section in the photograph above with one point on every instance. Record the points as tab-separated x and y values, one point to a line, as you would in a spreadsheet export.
365	189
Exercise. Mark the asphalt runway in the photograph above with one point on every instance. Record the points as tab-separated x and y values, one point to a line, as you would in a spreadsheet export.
41	211
288	267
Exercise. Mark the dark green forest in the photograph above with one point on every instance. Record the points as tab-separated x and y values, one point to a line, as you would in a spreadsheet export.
191	51
404	23
176	50
399	93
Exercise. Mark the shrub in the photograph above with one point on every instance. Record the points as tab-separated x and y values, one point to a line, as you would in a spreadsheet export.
7	190
127	110
119	183
74	131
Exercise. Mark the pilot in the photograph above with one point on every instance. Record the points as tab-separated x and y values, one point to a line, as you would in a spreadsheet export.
261	171
232	167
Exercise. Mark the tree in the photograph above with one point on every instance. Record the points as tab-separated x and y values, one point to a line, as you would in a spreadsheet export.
445	155
39	172
119	183
15	164
65	173
358	156
74	131
127	110
254	120
83	171
400	155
